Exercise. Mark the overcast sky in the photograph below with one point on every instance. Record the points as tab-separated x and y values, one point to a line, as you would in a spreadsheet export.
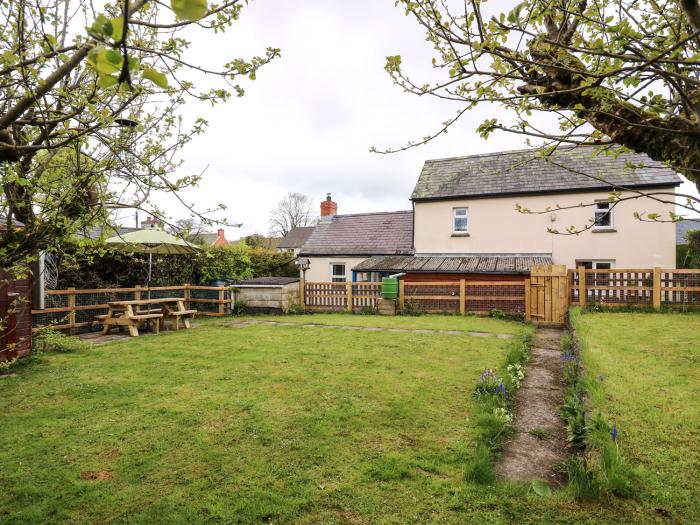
308	121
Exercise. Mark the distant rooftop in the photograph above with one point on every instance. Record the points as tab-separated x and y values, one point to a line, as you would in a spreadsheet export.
683	227
296	237
385	233
526	171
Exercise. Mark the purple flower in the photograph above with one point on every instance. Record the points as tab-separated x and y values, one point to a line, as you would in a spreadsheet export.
501	390
486	374
613	433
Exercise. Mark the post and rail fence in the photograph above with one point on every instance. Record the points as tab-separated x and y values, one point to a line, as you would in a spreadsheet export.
72	308
543	298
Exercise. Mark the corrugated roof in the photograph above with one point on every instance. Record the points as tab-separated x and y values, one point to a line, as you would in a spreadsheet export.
683	227
385	233
472	263
268	281
526	171
296	237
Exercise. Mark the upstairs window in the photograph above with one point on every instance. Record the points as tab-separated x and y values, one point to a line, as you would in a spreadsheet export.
337	272
460	221
603	216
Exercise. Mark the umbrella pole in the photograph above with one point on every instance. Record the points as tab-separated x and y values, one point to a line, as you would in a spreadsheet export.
148	286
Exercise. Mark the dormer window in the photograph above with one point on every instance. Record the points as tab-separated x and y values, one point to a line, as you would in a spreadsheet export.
460	220
603	216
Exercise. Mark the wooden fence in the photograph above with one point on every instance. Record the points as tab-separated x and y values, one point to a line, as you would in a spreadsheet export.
438	296
340	296
73	308
655	287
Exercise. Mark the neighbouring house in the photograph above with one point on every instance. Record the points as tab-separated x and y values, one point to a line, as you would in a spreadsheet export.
213	239
466	221
339	243
151	223
295	239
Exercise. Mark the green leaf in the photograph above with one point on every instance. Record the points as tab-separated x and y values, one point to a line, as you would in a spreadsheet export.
108	61
117	29
107	81
541	488
158	78
101	26
191	10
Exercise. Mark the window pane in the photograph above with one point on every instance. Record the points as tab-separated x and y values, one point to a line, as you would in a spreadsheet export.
602	218
460	222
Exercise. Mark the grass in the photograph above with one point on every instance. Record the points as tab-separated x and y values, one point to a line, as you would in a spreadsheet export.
264	424
643	376
423	322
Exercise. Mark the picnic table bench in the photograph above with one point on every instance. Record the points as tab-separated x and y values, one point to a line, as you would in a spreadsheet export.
133	315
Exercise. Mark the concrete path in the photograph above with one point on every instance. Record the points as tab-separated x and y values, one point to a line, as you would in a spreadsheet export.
539	447
248	322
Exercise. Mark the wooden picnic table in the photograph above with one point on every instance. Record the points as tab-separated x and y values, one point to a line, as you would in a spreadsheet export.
132	315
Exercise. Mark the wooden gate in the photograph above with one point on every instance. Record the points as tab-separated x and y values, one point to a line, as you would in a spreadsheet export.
546	295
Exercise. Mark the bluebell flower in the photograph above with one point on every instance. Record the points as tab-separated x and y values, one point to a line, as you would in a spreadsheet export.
613	433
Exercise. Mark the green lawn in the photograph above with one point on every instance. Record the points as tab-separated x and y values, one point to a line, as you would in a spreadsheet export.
648	366
423	322
265	424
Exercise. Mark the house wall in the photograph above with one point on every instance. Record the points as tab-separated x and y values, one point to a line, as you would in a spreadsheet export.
320	267
495	226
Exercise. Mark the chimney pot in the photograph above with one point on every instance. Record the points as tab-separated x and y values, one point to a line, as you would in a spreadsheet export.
328	207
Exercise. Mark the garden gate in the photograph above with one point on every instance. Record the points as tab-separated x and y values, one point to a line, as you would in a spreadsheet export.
547	295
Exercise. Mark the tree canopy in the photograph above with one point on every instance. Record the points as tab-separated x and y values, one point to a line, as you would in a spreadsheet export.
91	99
592	73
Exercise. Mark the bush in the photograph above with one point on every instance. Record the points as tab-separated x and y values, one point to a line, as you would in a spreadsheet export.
368	310
240	307
412	308
50	340
497	314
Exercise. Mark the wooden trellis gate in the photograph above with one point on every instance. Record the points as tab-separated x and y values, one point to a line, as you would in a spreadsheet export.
547	295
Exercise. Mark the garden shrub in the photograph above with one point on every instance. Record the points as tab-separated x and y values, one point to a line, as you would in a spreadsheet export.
50	340
412	308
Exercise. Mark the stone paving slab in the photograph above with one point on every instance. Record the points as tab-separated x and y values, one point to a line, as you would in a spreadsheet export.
527	456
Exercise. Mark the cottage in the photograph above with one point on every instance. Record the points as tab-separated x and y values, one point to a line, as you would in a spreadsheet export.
467	220
339	243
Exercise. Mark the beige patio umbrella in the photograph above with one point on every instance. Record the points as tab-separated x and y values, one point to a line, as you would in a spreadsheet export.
151	241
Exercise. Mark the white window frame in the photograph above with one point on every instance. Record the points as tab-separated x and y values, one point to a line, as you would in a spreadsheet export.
610	226
335	278
454	220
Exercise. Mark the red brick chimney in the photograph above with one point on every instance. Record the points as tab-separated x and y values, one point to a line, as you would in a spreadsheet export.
220	238
328	207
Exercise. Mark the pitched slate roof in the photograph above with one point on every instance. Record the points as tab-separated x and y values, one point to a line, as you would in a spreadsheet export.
472	263
683	227
296	237
526	171
383	233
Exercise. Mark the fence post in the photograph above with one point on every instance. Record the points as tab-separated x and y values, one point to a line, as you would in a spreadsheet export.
528	317
402	295
348	295
462	296
581	286
656	292
137	293
186	293
222	300
71	313
302	291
